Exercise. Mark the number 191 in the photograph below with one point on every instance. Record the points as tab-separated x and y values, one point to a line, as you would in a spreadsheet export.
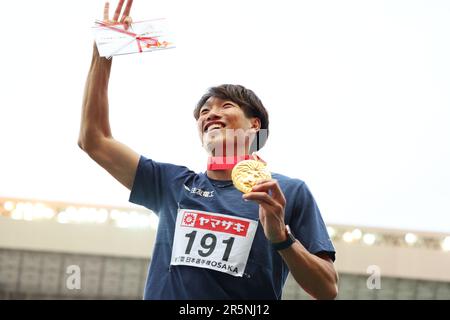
208	243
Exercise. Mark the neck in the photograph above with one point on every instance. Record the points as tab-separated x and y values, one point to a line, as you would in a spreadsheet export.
219	174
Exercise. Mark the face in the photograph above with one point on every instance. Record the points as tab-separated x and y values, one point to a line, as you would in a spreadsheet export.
223	126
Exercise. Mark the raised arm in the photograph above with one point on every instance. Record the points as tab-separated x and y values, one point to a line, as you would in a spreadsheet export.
95	132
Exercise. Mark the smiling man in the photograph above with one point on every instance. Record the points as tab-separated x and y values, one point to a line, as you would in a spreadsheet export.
213	241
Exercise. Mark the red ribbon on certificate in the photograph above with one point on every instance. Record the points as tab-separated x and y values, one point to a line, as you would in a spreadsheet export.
148	41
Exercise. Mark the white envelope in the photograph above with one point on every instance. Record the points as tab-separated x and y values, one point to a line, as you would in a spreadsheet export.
144	36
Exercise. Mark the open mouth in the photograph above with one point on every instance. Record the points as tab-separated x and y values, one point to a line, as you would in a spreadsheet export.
216	125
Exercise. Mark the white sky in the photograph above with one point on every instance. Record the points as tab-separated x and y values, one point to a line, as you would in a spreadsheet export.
357	91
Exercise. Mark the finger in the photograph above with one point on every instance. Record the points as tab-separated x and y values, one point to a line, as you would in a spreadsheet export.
106	12
258	158
260	182
118	10
273	186
260	197
127	11
263	186
127	21
263	181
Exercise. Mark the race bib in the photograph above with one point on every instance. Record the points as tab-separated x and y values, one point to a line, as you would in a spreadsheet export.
213	241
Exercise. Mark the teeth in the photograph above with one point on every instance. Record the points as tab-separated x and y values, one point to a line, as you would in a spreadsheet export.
214	126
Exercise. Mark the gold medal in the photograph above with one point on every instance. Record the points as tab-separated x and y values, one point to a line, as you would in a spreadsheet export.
247	173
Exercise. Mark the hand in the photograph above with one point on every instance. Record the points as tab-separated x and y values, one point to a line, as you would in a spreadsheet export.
271	200
125	19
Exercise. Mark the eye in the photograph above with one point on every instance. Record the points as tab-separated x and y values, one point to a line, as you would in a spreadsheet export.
228	105
204	111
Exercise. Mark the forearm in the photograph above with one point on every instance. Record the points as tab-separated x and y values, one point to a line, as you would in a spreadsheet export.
95	110
314	274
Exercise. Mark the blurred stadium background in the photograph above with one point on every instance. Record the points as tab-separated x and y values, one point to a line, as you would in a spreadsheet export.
112	247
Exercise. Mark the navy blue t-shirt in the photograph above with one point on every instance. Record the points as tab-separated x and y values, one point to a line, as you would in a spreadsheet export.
164	188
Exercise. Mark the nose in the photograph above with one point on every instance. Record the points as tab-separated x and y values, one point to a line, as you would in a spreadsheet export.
213	114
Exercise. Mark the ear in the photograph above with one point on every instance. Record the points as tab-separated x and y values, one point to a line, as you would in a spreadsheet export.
256	124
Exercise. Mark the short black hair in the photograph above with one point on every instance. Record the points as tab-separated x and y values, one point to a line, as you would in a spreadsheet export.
247	100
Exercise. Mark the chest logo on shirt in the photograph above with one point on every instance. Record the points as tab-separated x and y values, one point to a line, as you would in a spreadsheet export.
199	192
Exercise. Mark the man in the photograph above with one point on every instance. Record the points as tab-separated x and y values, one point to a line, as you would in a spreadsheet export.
213	241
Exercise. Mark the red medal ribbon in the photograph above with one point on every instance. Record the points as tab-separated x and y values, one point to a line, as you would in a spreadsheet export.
226	163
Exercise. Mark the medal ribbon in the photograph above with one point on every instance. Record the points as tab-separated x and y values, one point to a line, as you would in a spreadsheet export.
227	163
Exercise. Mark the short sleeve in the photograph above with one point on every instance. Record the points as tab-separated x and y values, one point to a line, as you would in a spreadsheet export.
308	226
152	183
